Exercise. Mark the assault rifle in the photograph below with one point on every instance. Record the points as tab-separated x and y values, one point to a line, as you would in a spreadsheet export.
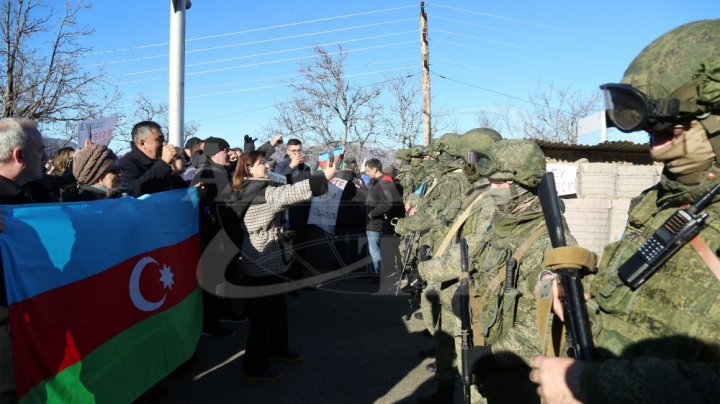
466	329
677	230
408	271
577	321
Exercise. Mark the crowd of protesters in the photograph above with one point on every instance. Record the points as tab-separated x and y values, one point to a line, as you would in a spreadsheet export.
265	214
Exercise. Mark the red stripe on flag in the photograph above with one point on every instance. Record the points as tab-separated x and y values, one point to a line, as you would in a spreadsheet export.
56	329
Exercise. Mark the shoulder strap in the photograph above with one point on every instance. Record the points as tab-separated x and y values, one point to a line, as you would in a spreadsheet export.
456	226
710	259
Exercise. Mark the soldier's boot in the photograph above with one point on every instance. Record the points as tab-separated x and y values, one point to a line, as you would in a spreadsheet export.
444	394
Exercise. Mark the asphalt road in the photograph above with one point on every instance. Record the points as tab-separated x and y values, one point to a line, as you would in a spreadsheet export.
357	346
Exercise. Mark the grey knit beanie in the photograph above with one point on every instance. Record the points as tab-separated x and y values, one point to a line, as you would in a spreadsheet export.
92	162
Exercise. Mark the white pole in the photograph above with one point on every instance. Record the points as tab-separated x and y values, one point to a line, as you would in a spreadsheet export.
176	95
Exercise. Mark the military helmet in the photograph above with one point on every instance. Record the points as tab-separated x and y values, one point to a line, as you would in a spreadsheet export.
674	77
476	140
445	144
516	160
403	154
417	151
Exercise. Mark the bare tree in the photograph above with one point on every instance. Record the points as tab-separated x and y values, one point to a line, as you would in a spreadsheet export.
403	118
554	114
326	108
44	81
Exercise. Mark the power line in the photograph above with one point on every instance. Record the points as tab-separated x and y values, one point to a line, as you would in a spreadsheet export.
438	17
261	41
523	21
289	102
244	90
284	60
271	52
501	43
512	55
286	76
337	17
475	69
498	93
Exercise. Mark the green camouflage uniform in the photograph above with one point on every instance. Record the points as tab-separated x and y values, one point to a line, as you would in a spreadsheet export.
661	342
508	322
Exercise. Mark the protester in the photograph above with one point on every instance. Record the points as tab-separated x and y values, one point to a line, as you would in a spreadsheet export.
97	172
260	204
21	163
148	167
61	160
212	174
384	203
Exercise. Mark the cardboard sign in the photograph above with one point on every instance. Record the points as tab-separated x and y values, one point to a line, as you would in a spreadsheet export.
100	130
565	177
324	208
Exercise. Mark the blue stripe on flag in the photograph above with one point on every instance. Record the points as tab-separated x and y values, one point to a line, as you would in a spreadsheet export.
60	243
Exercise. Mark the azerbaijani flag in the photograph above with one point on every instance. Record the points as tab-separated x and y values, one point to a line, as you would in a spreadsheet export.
324	158
102	295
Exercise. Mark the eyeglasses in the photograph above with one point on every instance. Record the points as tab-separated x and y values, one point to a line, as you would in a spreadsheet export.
294	150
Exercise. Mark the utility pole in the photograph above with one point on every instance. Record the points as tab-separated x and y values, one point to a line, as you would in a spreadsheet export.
176	95
427	134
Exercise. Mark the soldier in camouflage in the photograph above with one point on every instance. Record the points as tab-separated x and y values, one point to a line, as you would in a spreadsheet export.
505	317
659	342
441	272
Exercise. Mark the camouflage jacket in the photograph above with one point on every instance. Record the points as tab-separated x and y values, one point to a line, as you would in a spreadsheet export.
447	266
493	318
667	332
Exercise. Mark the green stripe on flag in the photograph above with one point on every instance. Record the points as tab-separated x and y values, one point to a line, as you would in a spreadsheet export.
127	365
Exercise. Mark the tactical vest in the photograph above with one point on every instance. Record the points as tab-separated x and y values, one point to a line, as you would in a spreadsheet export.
497	315
681	298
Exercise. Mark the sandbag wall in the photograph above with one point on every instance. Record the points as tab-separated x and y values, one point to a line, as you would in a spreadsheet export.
598	213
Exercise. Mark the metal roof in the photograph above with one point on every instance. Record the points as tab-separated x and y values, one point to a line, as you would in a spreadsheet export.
618	146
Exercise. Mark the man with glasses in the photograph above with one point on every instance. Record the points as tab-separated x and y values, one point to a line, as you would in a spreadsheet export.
147	168
657	293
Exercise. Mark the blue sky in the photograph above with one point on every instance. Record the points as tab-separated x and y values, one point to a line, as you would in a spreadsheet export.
240	54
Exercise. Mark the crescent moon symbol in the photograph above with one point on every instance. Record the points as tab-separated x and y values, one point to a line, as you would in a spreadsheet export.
137	298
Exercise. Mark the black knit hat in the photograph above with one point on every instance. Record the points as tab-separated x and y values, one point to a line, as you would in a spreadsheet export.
213	145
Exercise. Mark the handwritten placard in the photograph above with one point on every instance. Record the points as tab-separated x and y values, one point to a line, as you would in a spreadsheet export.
100	130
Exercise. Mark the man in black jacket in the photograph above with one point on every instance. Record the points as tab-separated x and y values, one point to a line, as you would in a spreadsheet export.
147	168
212	173
384	202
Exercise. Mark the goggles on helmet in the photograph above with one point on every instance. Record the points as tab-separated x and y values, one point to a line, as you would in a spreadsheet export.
484	164
630	110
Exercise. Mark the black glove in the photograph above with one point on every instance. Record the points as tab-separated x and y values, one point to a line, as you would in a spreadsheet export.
249	139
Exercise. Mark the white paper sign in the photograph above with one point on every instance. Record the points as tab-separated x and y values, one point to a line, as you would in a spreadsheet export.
324	208
101	129
564	177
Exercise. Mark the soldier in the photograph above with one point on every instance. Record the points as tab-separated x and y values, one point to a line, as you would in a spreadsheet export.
505	316
659	341
442	271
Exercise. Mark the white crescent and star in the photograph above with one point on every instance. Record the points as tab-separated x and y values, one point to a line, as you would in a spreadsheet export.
166	277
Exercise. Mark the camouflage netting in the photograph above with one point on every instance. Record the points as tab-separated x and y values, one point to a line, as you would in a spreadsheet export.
518	160
686	52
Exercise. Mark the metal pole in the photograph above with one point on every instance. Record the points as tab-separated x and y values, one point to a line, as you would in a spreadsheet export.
176	95
427	124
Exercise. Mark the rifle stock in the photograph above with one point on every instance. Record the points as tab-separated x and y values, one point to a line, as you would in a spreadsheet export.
577	321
